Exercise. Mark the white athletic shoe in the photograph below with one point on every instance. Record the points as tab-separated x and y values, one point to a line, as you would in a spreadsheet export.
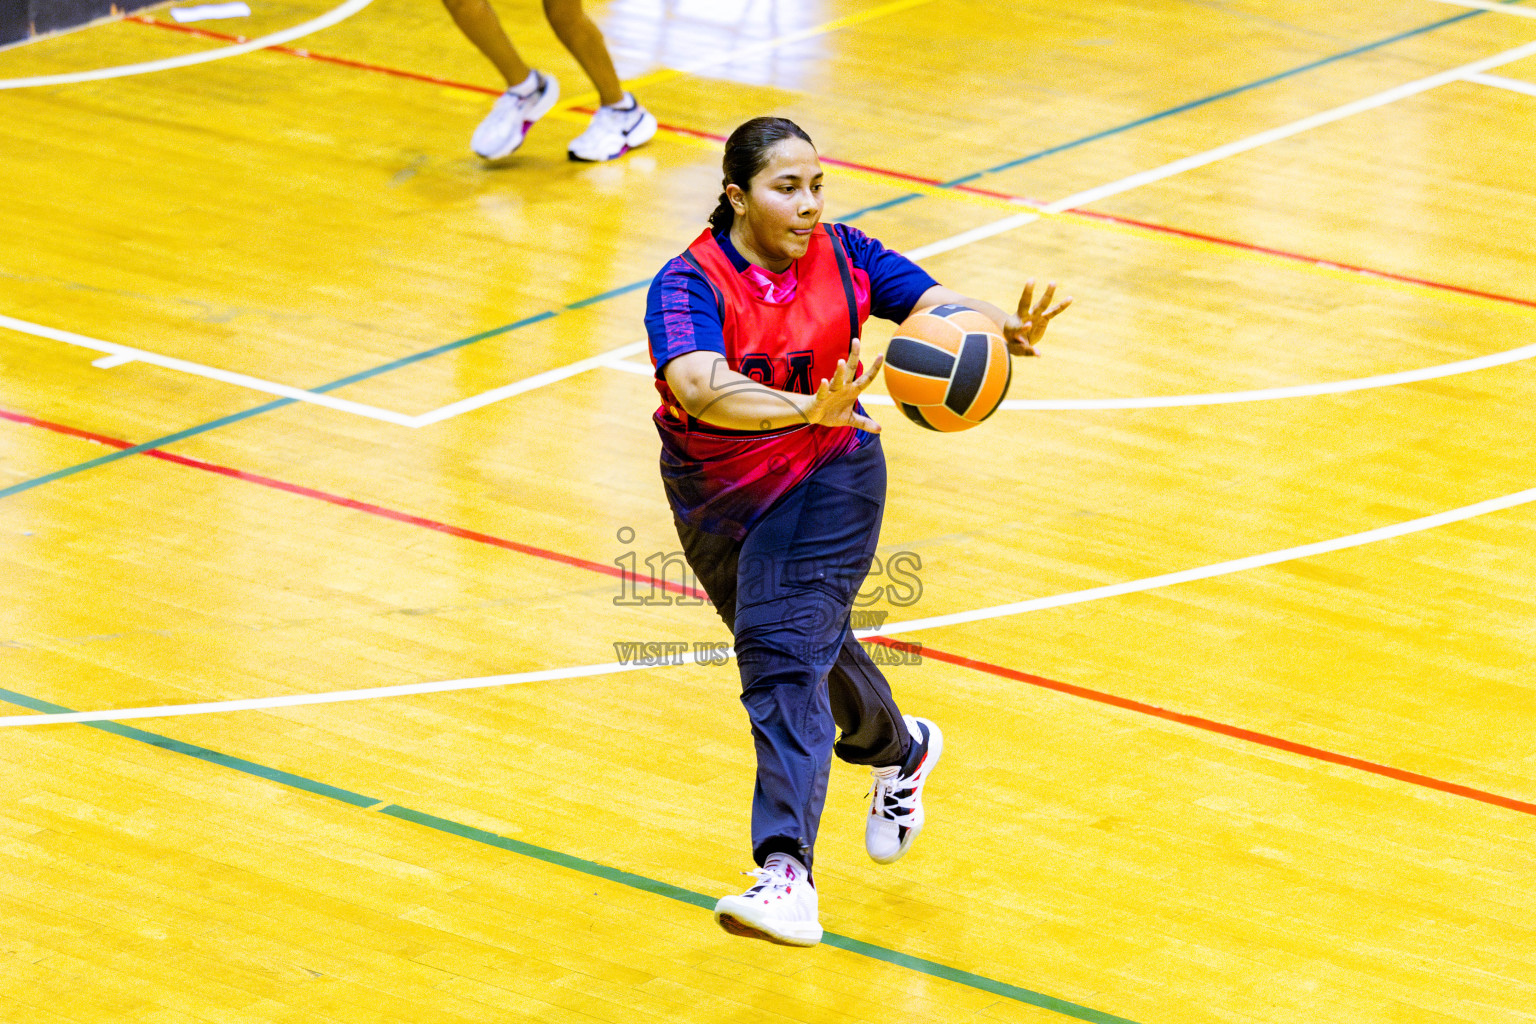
781	907
506	126
896	806
614	131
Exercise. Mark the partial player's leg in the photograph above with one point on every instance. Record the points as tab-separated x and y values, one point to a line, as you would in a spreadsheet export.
480	25
781	907
799	569
621	123
530	94
870	723
584	39
713	559
902	750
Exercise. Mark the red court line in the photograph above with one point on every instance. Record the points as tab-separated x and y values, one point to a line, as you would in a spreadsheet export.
1222	729
293	52
1315	261
917	179
59	428
349	503
1001	671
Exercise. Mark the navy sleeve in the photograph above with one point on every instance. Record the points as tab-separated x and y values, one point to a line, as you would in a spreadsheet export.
682	314
895	282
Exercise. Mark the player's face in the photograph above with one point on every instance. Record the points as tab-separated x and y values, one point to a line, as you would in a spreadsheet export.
783	204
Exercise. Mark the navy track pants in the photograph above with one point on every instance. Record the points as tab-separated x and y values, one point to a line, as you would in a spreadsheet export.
786	591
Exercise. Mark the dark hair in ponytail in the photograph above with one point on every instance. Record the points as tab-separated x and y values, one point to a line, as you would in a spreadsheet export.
746	153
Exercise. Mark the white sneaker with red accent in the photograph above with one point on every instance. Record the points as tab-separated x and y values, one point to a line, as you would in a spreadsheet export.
896	806
781	907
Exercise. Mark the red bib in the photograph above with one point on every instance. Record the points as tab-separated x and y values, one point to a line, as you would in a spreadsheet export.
792	346
722	480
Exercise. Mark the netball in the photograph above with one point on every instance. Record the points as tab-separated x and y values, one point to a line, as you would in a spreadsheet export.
947	367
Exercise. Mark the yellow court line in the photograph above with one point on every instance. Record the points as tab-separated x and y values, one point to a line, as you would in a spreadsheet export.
667	74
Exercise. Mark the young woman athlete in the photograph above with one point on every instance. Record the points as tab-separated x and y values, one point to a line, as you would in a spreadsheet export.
777	485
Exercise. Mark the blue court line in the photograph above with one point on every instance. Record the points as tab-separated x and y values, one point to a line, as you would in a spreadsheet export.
1180	109
26	485
224	421
569	862
123	453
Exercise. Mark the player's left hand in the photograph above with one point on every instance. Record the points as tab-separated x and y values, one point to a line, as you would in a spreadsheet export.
1025	330
835	401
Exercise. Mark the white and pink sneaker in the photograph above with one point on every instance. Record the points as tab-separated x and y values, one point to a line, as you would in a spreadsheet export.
614	131
781	907
896	805
514	112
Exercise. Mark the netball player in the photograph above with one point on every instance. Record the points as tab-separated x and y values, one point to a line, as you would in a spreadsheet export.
776	481
619	125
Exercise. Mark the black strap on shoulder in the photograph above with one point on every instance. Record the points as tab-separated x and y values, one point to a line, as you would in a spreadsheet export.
846	273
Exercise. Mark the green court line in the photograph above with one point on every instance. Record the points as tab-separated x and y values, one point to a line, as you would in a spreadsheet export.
572	863
261	771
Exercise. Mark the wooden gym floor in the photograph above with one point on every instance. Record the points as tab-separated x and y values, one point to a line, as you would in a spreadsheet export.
1228	618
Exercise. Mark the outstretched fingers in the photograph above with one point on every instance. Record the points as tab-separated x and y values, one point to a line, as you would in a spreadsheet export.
865	423
1063	304
1037	315
837	395
870	373
1045	300
851	363
1026	301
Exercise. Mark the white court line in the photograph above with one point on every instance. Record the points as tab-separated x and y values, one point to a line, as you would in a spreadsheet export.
1489	5
530	383
326	20
964	238
1337	387
1500	82
336	696
1514	355
120	354
616	359
1322	547
1353	540
630	366
1380	99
